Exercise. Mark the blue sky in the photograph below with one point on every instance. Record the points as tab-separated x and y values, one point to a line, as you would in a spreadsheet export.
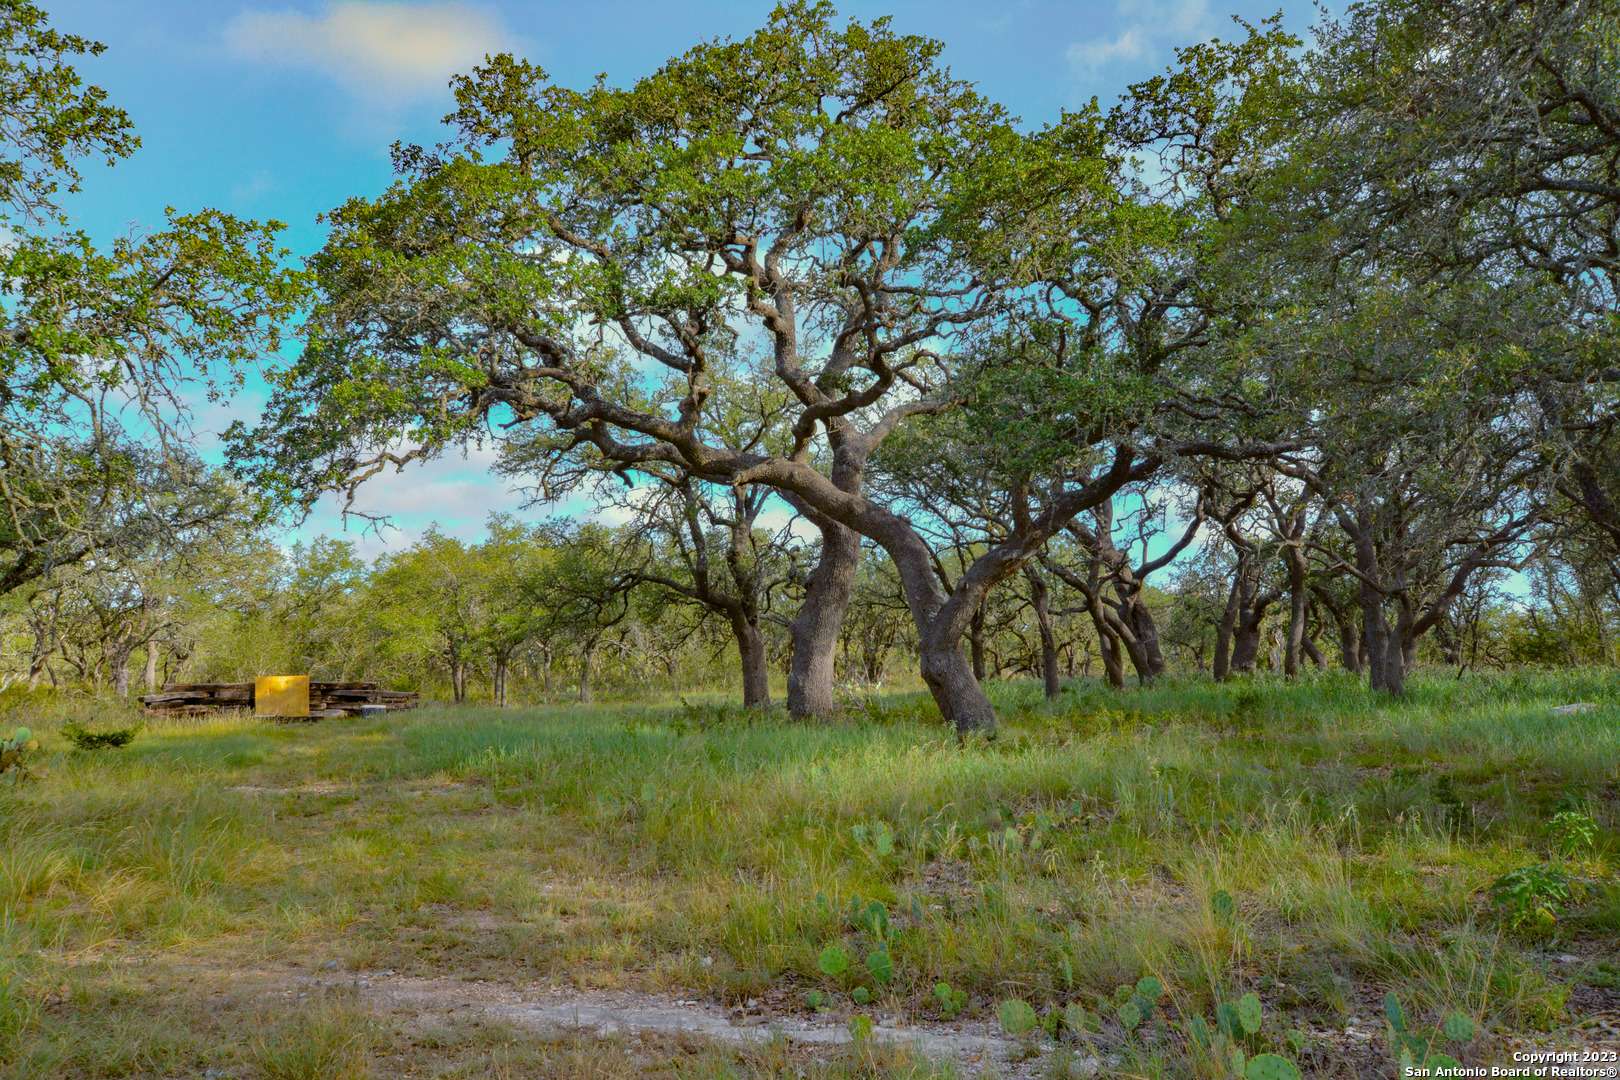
284	108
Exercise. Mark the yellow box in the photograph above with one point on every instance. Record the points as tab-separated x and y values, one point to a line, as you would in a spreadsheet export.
281	695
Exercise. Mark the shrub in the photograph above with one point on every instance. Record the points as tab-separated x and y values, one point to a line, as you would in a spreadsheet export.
1017	1017
1531	896
85	739
950	1000
1573	832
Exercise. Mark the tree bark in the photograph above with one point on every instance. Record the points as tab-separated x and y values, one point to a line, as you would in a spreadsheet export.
1039	601
151	672
976	643
458	680
814	631
585	660
498	679
1245	644
756	670
1380	647
1146	632
946	672
1222	667
1297	598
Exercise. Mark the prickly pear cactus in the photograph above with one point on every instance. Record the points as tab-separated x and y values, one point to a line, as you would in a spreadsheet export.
14	753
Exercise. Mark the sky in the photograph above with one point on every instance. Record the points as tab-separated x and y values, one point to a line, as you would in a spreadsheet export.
285	109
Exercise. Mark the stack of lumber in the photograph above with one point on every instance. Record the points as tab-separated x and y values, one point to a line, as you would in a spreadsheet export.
325	698
349	696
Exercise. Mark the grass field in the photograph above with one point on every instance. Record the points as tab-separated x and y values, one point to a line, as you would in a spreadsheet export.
163	907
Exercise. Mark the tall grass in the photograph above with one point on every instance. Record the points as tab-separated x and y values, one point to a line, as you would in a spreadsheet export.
704	849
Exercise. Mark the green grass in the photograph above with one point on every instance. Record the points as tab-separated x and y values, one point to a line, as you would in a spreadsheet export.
702	850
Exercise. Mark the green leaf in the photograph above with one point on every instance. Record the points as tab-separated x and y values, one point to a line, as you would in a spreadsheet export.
860	1028
1249	1013
861	995
1441	1061
1149	988
1270	1067
1199	1031
1076	1018
1017	1017
1130	1015
1226	1018
833	961
1459	1028
1222	904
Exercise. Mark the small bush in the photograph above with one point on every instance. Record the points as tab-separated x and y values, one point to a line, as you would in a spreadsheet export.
85	739
1573	832
1017	1017
1532	896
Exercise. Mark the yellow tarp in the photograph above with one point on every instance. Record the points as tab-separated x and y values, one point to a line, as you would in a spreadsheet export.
281	695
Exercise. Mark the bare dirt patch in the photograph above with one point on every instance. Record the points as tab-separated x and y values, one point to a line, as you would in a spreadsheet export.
977	1048
973	1046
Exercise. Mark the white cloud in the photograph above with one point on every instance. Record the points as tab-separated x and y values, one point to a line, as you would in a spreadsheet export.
382	51
1146	30
253	188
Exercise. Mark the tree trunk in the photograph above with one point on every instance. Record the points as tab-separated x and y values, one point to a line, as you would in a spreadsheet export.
1222	667
458	680
941	622
976	641
756	670
1147	636
950	680
1147	665
585	661
499	681
815	629
1296	628
1245	645
1038	600
1113	663
1350	651
1378	645
38	666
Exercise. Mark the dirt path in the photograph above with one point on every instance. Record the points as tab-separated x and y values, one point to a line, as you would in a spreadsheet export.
975	1047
